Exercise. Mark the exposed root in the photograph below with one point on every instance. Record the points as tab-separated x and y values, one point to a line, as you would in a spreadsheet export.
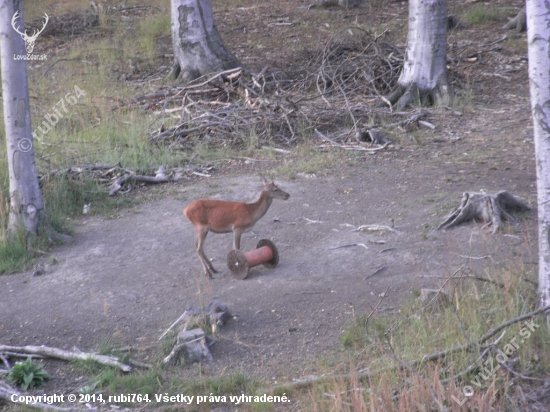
519	23
401	97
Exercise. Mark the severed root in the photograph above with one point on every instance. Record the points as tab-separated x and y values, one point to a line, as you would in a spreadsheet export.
486	208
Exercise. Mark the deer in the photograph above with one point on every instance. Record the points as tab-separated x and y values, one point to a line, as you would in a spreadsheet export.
219	216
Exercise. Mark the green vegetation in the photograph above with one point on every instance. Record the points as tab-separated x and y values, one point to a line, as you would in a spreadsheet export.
234	383
386	343
27	374
14	254
483	14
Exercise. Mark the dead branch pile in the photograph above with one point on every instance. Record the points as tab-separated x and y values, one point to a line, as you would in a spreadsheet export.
66	25
354	63
340	84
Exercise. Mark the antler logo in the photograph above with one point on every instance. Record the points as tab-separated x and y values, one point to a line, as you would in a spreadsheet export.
29	40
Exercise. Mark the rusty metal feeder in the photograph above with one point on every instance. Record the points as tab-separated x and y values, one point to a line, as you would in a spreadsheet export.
265	253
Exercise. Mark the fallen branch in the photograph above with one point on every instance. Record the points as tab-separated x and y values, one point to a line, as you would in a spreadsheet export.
350	245
160	177
67	355
363	375
188	312
374	228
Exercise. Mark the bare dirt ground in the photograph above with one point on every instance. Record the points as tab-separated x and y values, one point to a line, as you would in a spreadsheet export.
126	278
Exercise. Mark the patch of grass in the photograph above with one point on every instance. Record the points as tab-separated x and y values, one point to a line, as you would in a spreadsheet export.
232	384
111	381
352	335
150	29
483	14
142	382
462	98
308	158
79	192
88	366
15	255
475	309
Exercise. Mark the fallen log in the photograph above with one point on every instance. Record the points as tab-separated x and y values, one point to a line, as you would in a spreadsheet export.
66	355
160	177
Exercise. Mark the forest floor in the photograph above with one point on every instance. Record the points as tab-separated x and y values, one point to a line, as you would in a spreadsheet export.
126	277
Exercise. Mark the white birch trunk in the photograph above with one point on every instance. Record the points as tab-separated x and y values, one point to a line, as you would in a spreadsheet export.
198	46
538	37
26	206
424	75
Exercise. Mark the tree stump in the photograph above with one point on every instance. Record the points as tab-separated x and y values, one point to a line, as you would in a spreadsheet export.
434	298
492	209
519	22
191	346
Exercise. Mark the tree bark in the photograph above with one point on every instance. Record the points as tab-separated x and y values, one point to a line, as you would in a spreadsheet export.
26	206
198	46
538	40
424	76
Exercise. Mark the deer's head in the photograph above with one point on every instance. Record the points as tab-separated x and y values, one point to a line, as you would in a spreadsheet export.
29	40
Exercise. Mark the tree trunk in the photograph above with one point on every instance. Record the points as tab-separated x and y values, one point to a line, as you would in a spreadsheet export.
424	76
198	47
538	40
26	206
